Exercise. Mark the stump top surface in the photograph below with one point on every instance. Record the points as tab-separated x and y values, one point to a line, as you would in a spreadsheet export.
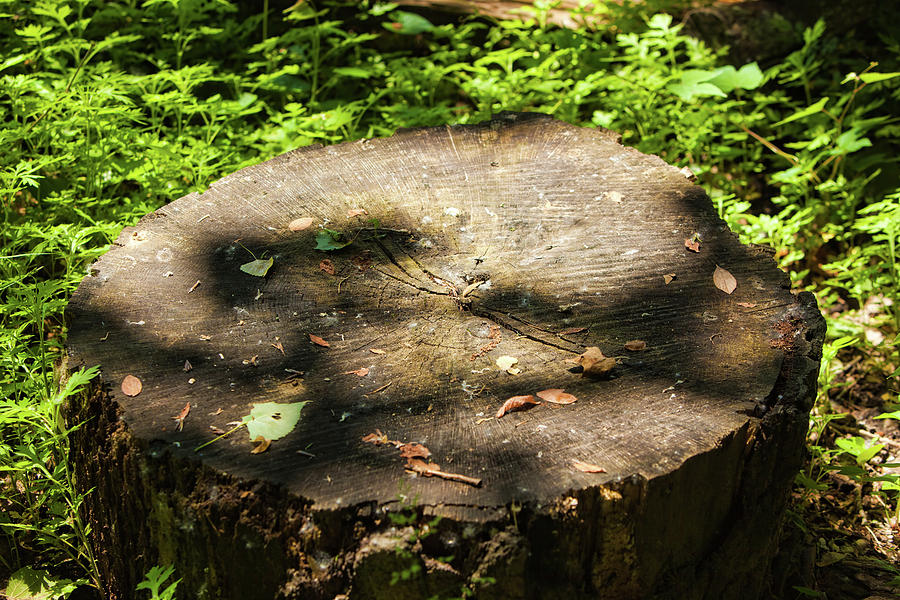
568	236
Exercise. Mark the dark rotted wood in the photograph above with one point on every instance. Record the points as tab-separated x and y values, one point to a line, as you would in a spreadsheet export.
700	434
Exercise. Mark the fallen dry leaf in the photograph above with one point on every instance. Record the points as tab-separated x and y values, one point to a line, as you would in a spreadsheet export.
377	351
505	363
216	430
278	346
516	403
131	385
262	444
327	266
747	304
556	396
355	212
636	345
319	341
692	243
414	450
595	363
376	438
724	280
587	467
187	366
572	330
363	260
414	453
358	372
300	224
182	416
669	278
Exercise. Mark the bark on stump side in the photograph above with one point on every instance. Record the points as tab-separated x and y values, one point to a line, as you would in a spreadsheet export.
522	236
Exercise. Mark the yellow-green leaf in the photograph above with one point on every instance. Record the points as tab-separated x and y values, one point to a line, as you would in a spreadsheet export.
272	420
258	267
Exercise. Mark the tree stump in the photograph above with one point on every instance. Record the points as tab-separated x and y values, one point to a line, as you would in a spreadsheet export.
466	247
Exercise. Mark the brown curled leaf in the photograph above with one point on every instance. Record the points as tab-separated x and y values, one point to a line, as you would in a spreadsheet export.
376	438
355	212
595	363
179	420
587	467
318	341
358	372
516	403
327	266
414	450
693	243
262	444
669	278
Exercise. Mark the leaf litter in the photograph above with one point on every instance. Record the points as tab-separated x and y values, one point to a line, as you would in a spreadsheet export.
179	419
329	239
300	224
724	280
318	341
258	267
131	385
594	363
556	396
327	266
516	403
587	467
693	243
635	345
262	444
506	363
269	420
415	453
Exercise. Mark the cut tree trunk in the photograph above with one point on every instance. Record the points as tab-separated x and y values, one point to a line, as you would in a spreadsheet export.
520	237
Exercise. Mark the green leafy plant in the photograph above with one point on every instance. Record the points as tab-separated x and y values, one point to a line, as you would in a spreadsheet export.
329	239
155	578
31	584
859	449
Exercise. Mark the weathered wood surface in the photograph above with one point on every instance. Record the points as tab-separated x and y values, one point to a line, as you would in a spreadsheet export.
700	434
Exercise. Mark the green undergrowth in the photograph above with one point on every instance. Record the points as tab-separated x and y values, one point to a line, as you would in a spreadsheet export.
111	109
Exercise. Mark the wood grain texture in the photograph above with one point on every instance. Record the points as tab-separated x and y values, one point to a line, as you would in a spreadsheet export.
562	228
